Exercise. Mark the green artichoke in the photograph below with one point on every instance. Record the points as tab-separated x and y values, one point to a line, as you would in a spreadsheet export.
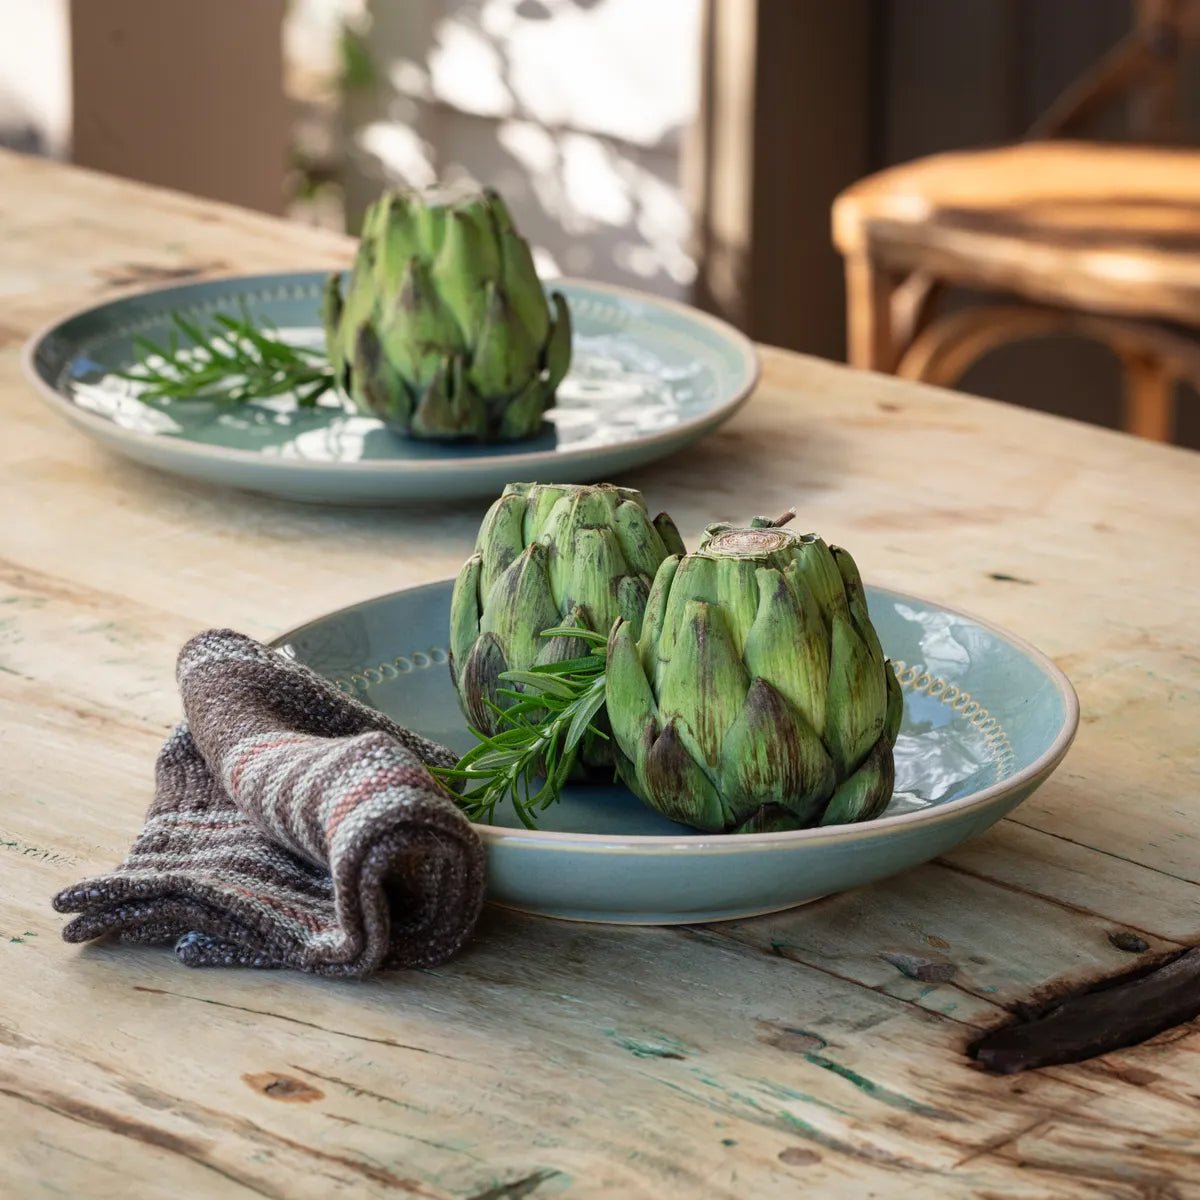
756	695
549	555
444	331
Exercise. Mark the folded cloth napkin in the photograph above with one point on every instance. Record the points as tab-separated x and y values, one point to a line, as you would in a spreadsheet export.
291	826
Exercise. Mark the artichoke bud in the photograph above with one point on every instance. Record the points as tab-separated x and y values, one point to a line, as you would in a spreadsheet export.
856	598
631	601
788	648
557	354
502	536
518	606
866	793
772	711
463	270
478	680
359	299
561	648
523	414
376	386
421	332
640	541
597	568
895	704
542	499
498	211
430	221
655	614
548	555
674	783
450	407
630	702
520	283
446	278
771	755
857	703
669	534
464	612
397	238
816	565
704	684
504	353
331	316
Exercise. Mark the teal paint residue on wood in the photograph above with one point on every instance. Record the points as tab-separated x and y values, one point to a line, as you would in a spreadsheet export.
780	1092
740	1104
878	1091
658	1045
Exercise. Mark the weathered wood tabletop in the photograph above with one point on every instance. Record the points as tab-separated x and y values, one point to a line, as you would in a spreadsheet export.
736	1060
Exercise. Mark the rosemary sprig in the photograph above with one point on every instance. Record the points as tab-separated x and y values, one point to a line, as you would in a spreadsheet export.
229	363
544	727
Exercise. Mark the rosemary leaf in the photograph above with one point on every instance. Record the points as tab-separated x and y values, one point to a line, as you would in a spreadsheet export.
231	363
529	758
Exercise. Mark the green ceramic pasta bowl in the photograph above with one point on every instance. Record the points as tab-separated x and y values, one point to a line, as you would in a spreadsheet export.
647	378
987	719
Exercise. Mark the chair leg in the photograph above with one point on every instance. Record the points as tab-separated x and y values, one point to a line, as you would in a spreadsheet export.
869	334
1149	399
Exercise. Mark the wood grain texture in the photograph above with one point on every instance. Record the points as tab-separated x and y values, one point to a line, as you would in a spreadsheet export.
820	1049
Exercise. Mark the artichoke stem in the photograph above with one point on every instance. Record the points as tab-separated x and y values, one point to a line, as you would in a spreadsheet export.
776	523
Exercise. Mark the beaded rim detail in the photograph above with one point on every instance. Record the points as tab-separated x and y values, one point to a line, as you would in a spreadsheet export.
914	677
911	677
365	678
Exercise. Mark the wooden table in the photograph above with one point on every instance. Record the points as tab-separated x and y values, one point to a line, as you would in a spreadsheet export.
737	1060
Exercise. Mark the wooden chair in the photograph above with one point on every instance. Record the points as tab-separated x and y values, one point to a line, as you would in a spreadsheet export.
1099	240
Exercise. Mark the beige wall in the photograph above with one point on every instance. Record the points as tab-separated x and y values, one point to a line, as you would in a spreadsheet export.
184	93
576	112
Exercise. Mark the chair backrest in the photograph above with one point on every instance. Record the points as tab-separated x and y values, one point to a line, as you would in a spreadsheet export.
1145	65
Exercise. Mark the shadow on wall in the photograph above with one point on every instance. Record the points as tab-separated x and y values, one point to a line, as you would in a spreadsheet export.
576	110
17	129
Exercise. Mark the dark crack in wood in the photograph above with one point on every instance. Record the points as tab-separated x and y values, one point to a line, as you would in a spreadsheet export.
1119	1012
265	1012
518	1188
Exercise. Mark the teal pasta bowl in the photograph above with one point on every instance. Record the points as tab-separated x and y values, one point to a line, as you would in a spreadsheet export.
648	376
987	719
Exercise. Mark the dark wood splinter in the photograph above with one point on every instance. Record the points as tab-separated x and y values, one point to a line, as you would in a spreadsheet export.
1098	1020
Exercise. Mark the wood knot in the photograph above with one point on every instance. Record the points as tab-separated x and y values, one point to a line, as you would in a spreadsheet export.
283	1087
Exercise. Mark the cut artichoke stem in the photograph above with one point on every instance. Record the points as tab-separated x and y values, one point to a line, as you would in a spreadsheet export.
471	347
756	698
